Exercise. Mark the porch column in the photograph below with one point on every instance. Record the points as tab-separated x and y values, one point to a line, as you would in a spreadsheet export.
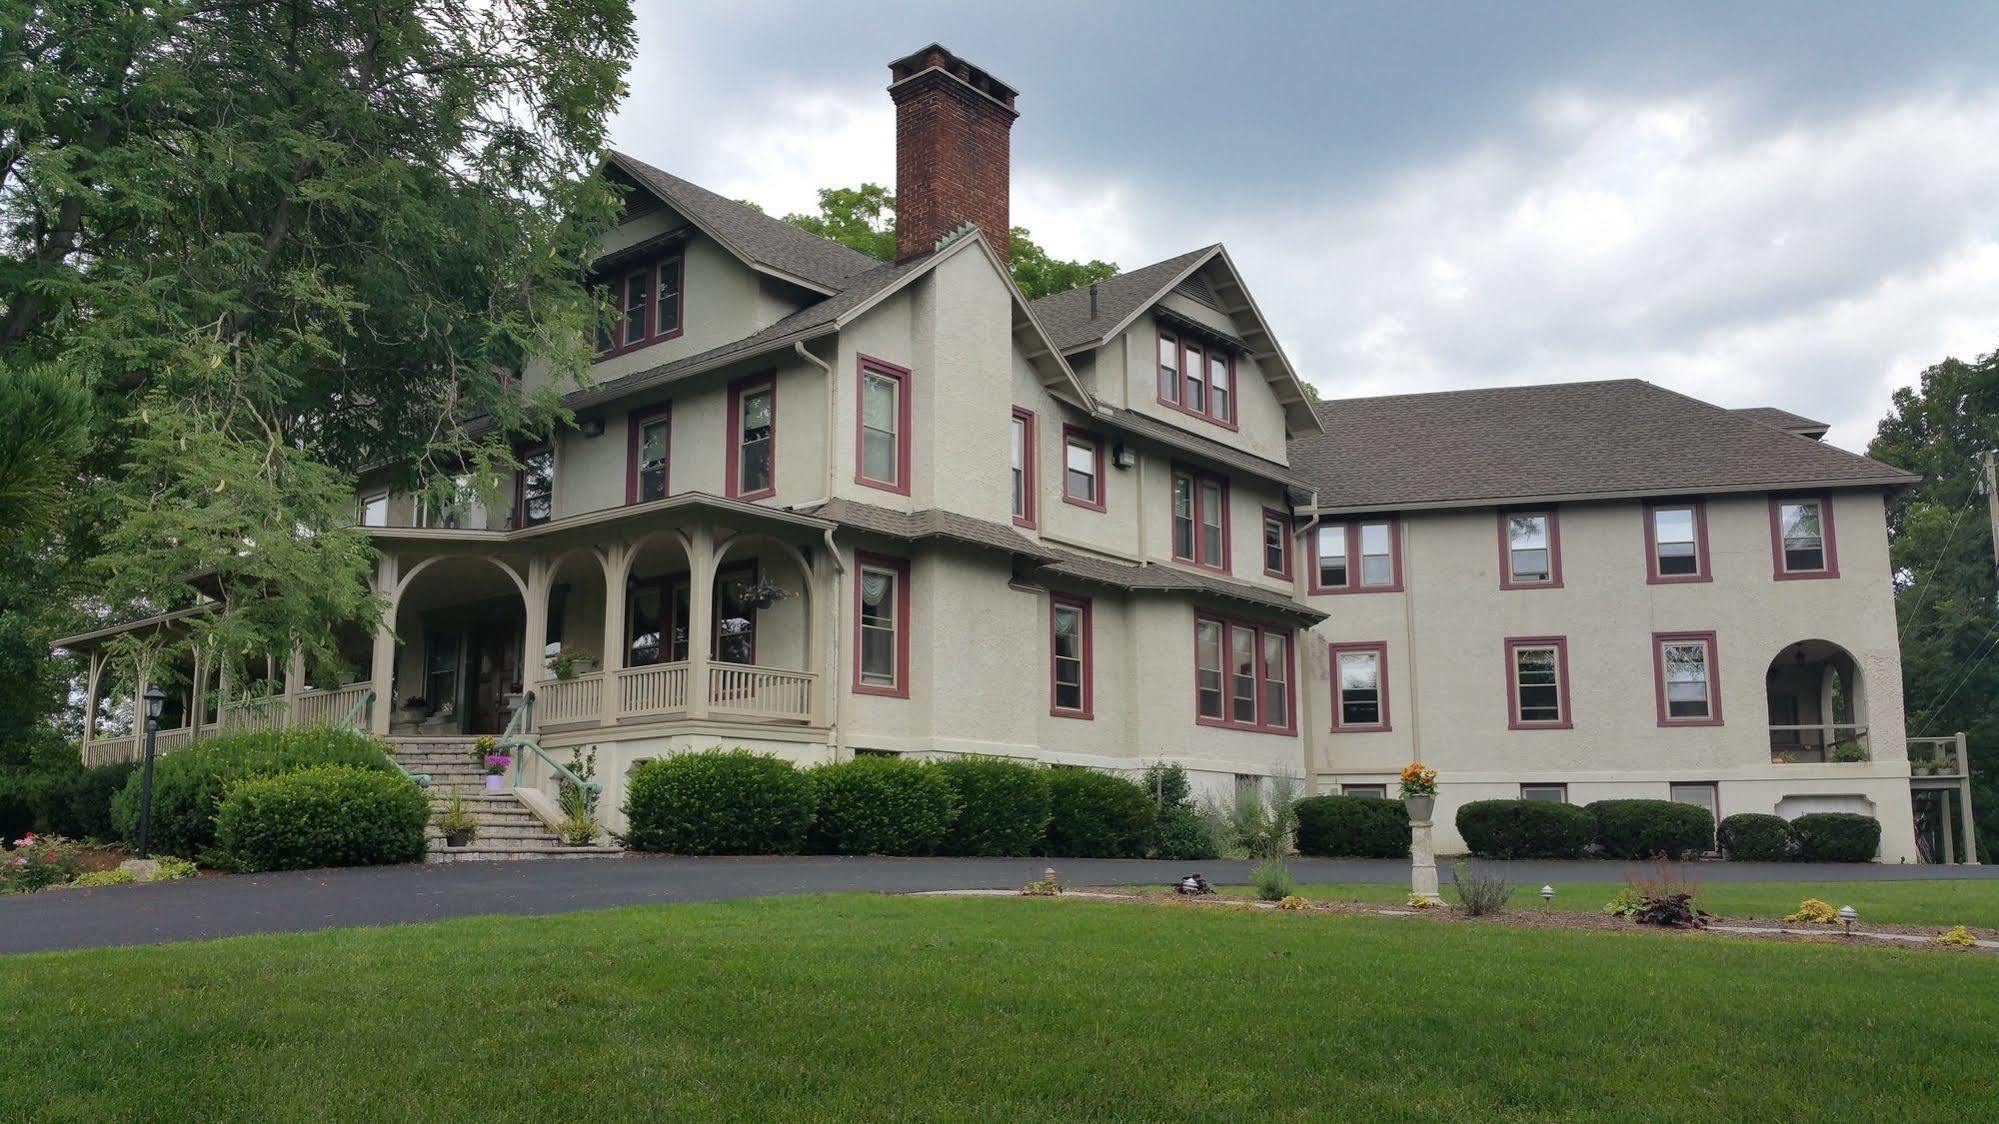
534	663
138	716
824	632
700	616
294	684
1964	804
1949	847
382	661
94	680
197	698
614	558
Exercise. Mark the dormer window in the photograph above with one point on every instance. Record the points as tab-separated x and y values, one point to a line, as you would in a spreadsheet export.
1197	377
648	306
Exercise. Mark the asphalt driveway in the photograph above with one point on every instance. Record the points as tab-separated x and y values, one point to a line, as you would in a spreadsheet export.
204	908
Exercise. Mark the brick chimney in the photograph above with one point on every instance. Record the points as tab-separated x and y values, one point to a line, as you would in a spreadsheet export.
953	158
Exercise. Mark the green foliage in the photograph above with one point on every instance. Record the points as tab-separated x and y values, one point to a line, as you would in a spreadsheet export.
1627	903
1525	829
47	414
1353	827
1640	829
1481	890
1758	837
104	878
1002	806
173	869
1271	880
881	806
718	802
1095	815
325	815
1837	837
35	862
456	822
189	784
863	218
1179	829
1262	828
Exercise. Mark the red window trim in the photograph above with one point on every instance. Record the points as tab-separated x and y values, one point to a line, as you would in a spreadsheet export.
1506	578
1777	570
900	566
521	485
733	485
1290	726
1195	478
1659	642
1353	585
863	366
1283	521
1177	402
635	423
1702	571
1380	650
1088	654
1096	443
649	333
1030	453
1561	646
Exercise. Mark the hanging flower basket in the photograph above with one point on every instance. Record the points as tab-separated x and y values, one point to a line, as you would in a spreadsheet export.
760	595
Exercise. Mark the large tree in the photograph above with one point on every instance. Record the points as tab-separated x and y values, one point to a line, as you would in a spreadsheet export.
281	243
863	218
1941	544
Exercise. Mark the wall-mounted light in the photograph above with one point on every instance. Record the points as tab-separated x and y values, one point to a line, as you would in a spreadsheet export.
1123	455
591	427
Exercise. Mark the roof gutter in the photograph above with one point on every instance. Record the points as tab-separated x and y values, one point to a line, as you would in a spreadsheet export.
1903	481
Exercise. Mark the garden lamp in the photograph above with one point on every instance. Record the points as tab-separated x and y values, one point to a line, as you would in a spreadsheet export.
156	700
1547	895
1847	916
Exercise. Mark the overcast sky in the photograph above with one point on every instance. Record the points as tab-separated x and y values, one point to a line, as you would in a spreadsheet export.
1785	206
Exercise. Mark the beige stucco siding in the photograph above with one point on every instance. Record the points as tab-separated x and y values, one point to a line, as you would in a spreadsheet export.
1260	425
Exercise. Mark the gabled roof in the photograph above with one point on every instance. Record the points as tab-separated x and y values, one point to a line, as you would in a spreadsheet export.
930	523
1784	420
1228	456
1592	440
1122	298
766	244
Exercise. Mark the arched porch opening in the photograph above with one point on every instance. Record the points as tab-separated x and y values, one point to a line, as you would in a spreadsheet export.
462	664
1817	704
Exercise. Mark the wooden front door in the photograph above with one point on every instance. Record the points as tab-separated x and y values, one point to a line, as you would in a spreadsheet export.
495	654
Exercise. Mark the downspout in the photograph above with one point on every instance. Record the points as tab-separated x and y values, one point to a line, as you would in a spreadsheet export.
1409	644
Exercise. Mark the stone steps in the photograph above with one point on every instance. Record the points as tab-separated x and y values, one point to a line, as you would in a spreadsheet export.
507	829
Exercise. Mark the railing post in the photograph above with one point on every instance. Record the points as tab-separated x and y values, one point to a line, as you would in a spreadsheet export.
700	618
1970	828
614	559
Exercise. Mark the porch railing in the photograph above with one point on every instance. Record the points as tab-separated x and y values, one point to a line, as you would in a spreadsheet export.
660	688
328	708
570	700
760	692
1835	742
1937	757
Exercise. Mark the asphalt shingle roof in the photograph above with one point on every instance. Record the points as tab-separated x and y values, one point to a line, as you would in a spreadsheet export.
1546	442
1782	419
930	523
1161	578
1066	315
1131	421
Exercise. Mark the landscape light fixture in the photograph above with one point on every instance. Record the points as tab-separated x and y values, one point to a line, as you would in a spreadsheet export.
1847	916
156	701
1547	895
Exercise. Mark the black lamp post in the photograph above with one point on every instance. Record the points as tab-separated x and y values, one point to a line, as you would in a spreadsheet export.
155	699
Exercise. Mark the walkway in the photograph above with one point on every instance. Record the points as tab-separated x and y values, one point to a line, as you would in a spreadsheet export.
204	908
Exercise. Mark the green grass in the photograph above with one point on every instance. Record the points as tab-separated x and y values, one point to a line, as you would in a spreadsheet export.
1941	902
844	1007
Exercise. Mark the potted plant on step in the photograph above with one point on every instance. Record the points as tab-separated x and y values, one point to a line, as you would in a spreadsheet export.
496	769
1419	792
458	825
413	710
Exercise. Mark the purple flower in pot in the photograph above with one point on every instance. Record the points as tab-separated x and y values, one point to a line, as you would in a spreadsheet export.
496	767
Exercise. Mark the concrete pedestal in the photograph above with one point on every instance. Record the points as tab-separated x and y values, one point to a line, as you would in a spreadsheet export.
1423	862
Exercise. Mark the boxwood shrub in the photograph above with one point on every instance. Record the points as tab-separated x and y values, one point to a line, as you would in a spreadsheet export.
1096	815
1640	829
1179	829
1526	829
1362	827
189	784
1837	837
881	806
718	802
1758	837
1002	806
324	815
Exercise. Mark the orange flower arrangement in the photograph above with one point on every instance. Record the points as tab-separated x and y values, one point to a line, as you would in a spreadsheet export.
1418	781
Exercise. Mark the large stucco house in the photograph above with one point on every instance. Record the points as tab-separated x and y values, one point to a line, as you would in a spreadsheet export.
822	505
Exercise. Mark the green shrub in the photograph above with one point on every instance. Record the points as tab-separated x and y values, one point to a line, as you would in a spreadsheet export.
189	784
1179	829
78	804
1096	815
323	815
1758	837
1525	829
1640	829
1360	827
1002	806
718	802
881	806
1272	881
104	878
1837	837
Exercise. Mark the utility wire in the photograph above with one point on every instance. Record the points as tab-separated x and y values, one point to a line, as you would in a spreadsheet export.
1922	587
1931	712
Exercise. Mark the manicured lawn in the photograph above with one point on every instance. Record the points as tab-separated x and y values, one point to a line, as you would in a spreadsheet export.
842	1007
1942	902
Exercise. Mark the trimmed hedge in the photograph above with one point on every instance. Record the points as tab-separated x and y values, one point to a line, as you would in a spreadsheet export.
1002	806
1640	829
718	802
1526	829
1758	837
1837	837
1096	815
881	806
1361	827
324	815
68	800
189	784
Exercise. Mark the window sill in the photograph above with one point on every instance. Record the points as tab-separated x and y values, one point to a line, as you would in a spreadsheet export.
1224	724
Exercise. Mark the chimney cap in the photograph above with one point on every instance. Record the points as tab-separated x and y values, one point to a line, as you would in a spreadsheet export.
939	58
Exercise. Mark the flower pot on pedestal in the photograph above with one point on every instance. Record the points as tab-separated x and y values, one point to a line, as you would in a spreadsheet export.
1421	808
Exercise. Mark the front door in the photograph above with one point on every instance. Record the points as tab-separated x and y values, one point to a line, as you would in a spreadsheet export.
495	654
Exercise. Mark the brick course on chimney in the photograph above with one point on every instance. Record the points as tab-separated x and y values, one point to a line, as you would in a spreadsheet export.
953	151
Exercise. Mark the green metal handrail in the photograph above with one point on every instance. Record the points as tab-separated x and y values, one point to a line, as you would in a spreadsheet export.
516	737
353	722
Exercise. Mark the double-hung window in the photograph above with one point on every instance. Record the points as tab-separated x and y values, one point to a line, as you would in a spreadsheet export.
1276	544
1169	369
375	510
1082	468
1688	681
1022	456
1242	675
1070	674
1197	378
1195	364
535	488
882	427
1530	550
1537	682
881	626
1801	537
1676	542
648	443
1360	687
1200	519
647	302
1357	556
752	459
